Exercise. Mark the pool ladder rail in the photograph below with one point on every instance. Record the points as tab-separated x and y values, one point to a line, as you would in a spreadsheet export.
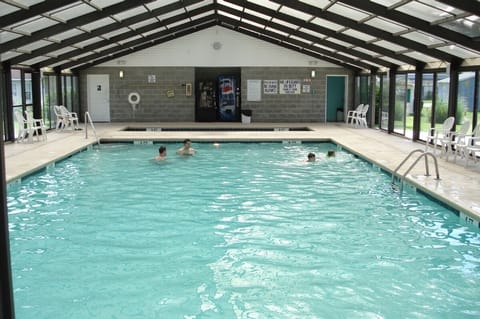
423	154
87	120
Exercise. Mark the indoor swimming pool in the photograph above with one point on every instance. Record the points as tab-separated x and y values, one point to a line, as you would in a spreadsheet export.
239	230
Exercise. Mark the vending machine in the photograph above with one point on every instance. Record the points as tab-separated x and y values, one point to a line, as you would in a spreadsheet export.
228	98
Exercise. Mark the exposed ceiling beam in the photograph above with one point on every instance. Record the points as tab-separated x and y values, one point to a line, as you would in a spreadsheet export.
102	30
140	44
116	39
416	23
328	32
70	24
365	28
32	11
305	36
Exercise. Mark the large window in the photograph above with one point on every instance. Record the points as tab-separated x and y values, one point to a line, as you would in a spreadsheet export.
49	99
465	97
403	113
382	100
21	94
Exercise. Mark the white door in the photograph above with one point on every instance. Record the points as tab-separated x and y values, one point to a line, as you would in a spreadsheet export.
98	97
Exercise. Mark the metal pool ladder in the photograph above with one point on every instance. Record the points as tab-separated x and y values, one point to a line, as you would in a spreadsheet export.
424	154
89	119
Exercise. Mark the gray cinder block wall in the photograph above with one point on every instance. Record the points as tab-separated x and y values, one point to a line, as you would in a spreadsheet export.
156	106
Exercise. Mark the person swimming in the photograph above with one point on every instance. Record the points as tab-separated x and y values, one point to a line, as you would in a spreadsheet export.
162	153
311	157
186	149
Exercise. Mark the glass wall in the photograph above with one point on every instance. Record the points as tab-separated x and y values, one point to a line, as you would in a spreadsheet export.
21	95
382	98
400	103
426	104
49	98
465	97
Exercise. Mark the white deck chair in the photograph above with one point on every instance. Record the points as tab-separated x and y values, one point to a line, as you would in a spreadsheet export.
35	126
353	113
61	121
471	146
23	130
70	118
451	142
435	134
361	118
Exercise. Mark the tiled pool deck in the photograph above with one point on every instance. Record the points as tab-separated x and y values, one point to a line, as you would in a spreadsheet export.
459	186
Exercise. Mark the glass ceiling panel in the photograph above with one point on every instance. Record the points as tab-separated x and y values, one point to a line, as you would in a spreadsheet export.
110	35
372	63
359	35
9	55
386	25
253	23
469	27
28	3
295	13
62	51
199	4
327	24
394	61
230	5
66	35
371	53
301	39
266	3
129	39
229	15
88	42
34	45
317	3
171	14
105	3
6	36
143	23
340	42
422	11
73	12
422	38
172	25
420	56
106	47
390	46
6	8
286	24
258	14
277	31
148	33
323	47
315	34
443	6
98	23
459	51
201	15
35	25
351	13
35	60
159	3
130	13
386	3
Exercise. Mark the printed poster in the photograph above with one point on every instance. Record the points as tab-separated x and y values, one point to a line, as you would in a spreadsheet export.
270	86
290	86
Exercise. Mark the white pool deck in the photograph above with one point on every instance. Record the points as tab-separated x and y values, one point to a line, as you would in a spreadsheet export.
459	186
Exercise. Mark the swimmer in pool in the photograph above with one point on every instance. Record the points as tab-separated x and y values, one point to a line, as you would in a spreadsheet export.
162	153
311	157
186	149
331	153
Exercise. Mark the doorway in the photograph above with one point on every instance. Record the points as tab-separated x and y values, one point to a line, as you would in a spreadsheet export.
217	94
336	97
98	97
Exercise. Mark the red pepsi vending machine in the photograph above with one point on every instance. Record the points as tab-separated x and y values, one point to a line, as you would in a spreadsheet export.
228	98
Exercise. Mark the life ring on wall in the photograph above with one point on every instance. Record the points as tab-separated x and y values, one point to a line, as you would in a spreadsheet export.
134	98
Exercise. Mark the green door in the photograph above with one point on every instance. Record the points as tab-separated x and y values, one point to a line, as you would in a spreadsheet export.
335	97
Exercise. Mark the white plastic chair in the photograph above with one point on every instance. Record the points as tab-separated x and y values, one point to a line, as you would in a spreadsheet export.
444	132
61	121
353	113
471	146
35	126
70	118
23	130
450	143
361	118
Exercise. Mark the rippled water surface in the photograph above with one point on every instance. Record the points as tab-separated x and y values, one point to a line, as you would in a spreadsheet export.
239	231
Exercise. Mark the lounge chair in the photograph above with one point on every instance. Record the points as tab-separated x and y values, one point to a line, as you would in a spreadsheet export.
35	126
450	143
471	146
353	113
23	132
437	134
71	117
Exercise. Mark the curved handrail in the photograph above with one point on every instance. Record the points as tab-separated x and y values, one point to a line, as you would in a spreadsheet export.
89	119
423	154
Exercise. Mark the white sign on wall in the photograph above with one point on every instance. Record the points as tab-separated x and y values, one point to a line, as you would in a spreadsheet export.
270	86
254	90
290	86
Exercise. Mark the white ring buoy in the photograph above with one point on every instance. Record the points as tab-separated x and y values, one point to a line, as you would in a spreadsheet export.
134	98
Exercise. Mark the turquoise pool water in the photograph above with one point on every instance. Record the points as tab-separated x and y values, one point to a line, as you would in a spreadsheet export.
244	230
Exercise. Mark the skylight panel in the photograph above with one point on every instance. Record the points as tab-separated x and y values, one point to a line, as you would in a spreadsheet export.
228	15
281	33
148	33
469	26
346	11
9	55
323	47
317	3
34	45
258	14
301	39
253	23
230	5
116	32
314	33
35	25
172	25
88	42
327	24
266	3
390	46
143	23
295	13
105	3
459	51
6	8
386	3
66	35
159	3
199	4
98	23
35	60
423	38
340	42
130	13
391	60
6	36
285	23
359	35
201	15
443	6
73	12
365	51
171	14
424	12
62	51
420	56
386	25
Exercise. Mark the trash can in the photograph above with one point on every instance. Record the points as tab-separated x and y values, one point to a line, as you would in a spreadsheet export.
246	116
340	117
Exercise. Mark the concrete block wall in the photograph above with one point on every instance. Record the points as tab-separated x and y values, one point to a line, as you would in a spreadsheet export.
304	107
155	106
